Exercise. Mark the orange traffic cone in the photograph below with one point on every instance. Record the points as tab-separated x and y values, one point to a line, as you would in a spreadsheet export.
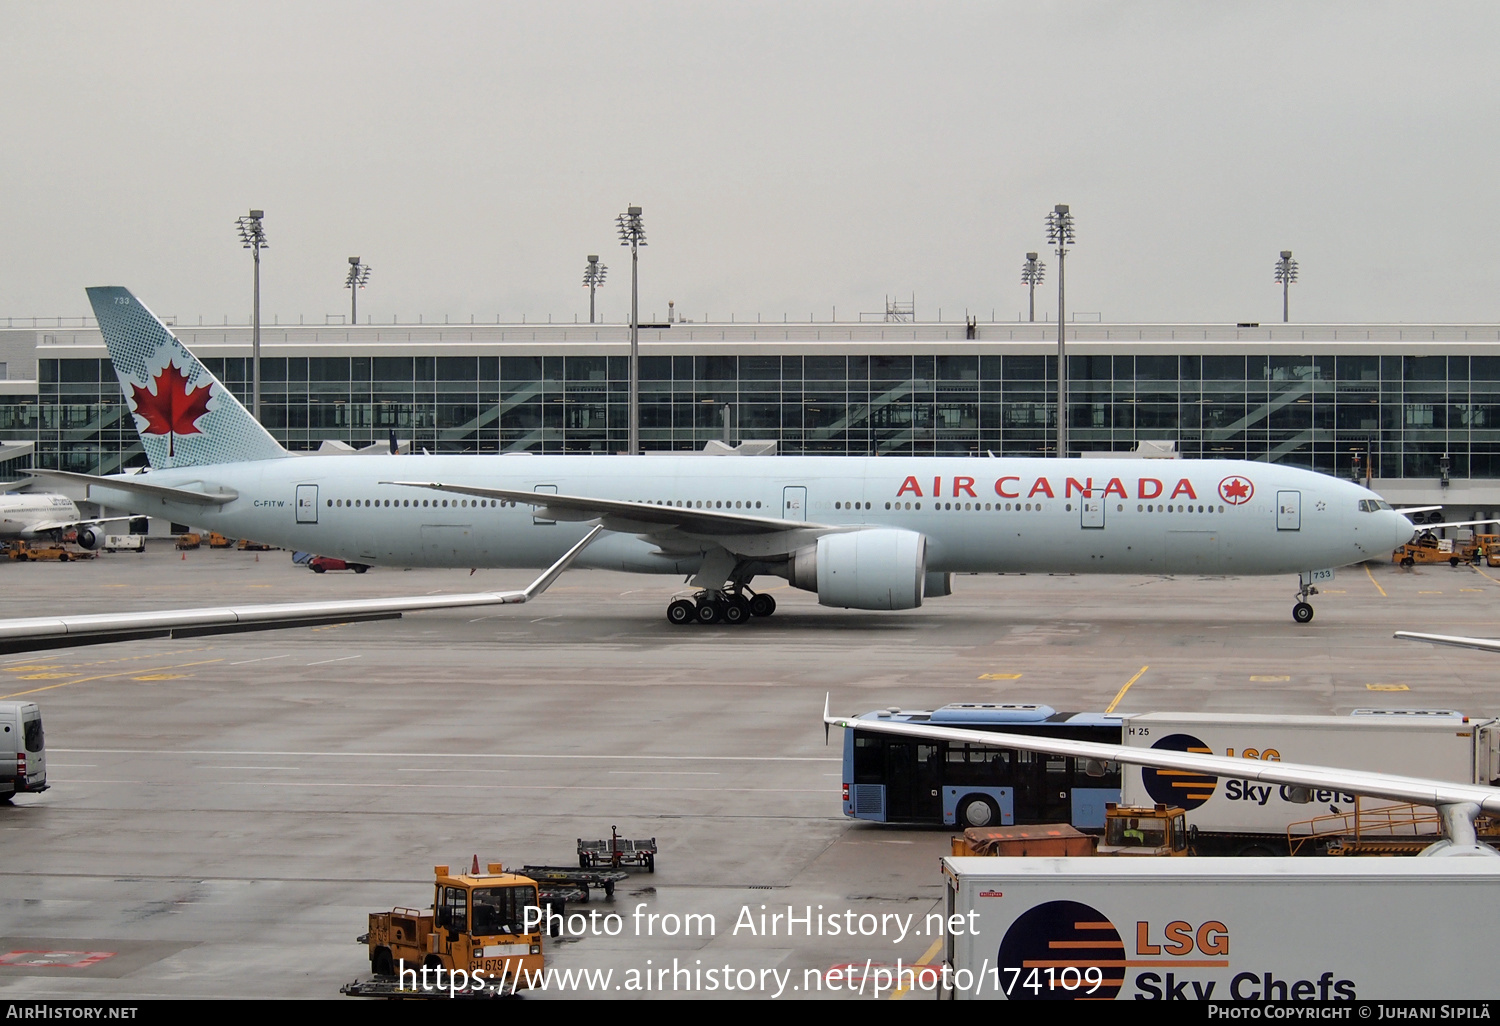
475	870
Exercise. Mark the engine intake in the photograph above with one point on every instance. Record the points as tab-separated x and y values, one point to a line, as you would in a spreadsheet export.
880	568
90	537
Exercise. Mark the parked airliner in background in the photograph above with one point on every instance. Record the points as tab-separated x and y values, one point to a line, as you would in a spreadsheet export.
30	515
861	532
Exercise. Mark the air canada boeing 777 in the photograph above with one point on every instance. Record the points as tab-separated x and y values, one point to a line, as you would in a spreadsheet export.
861	532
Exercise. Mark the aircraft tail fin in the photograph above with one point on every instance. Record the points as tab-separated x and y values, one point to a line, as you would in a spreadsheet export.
184	415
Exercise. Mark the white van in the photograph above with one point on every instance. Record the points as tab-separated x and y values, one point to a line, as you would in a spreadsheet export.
23	750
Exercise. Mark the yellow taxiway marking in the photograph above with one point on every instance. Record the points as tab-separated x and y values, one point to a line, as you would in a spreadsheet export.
162	676
1268	677
1429	593
900	992
999	676
1481	573
1386	687
29	667
103	676
1335	591
1375	582
1121	694
1471	589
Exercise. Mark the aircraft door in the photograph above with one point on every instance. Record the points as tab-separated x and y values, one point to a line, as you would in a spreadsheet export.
794	503
550	490
307	504
1092	512
1288	511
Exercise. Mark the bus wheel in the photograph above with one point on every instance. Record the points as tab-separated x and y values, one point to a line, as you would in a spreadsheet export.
977	811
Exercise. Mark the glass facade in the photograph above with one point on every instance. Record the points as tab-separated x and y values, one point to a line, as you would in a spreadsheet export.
1313	411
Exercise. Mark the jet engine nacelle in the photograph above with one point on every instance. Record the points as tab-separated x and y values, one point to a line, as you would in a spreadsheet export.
90	537
882	568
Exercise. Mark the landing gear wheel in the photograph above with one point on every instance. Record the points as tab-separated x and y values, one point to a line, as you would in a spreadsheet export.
680	612
736	611
762	605
1302	612
710	612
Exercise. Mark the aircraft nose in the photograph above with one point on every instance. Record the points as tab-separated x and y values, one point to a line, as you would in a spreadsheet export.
1405	531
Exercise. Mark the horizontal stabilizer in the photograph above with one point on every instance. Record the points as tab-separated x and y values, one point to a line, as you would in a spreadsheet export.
52	632
133	483
1482	644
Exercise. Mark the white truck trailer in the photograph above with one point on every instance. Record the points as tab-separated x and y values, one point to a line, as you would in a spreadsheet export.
1220	929
23	750
1240	817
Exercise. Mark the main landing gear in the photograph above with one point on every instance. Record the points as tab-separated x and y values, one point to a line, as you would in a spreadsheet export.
730	607
1302	612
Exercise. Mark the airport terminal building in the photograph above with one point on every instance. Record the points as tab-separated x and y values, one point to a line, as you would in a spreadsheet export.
1412	397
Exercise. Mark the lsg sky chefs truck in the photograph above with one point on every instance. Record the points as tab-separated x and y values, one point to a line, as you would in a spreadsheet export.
1233	817
1220	929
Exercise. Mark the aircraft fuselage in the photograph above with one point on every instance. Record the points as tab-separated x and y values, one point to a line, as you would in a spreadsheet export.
979	515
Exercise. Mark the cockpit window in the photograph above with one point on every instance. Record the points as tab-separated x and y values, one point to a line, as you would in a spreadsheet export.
1373	505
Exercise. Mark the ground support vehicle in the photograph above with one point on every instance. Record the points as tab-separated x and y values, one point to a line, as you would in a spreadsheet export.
564	883
1237	817
1218	929
22	550
1040	840
23	750
218	541
1159	830
124	543
476	932
618	853
323	564
894	779
191	540
246	545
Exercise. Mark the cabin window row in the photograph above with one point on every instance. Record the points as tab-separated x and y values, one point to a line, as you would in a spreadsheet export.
442	503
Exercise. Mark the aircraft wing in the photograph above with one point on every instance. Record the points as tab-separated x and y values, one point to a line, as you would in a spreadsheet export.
51	632
133	484
1376	785
63	525
633	517
1483	644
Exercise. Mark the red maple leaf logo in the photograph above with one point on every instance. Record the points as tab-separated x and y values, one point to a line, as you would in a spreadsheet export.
1235	490
172	409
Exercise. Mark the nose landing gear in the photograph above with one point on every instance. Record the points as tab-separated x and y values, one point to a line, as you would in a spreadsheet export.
1302	612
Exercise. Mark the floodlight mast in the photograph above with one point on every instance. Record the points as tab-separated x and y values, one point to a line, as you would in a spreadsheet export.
593	278
253	235
1286	273
633	234
1060	233
358	278
1033	271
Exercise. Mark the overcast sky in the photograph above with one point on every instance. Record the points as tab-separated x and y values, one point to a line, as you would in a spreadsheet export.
791	158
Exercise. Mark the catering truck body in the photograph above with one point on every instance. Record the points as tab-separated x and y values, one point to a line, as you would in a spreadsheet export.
1219	929
1230	816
